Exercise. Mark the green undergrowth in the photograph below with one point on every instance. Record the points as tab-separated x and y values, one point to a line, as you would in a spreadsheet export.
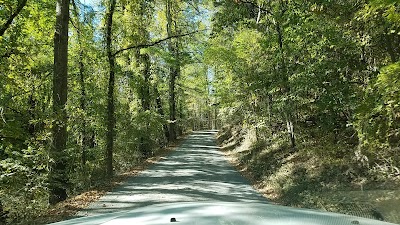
316	174
80	199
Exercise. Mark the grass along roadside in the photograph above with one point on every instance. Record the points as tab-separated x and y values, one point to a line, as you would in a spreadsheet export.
298	178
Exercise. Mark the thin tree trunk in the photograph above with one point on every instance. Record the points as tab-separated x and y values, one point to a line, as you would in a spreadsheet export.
284	72
172	106
110	96
161	111
181	116
58	180
208	103
6	25
145	86
390	49
215	127
31	112
85	139
84	135
143	62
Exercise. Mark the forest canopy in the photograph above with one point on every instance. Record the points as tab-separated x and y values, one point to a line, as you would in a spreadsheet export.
90	90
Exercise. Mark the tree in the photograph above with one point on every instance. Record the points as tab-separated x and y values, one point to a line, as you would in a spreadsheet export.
58	176
51	146
111	87
84	134
173	71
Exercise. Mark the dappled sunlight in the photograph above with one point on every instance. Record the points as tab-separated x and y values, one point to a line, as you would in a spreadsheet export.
297	178
196	171
204	146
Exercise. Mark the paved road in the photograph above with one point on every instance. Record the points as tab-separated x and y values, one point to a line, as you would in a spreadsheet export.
195	171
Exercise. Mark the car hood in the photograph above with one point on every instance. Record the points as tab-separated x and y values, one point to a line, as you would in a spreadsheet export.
224	213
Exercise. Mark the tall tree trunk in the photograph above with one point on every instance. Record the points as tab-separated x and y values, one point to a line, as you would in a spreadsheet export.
58	180
110	96
144	145
146	86
143	62
173	73
84	135
208	103
144	59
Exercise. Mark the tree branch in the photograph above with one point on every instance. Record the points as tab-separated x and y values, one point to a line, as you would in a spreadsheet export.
155	42
7	24
76	14
194	7
257	6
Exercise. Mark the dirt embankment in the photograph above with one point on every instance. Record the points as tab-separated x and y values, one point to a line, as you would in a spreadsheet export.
298	178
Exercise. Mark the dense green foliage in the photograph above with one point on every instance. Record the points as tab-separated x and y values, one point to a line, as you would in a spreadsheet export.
141	94
317	75
309	96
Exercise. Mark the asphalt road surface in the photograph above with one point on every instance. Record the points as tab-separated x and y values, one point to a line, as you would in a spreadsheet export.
195	171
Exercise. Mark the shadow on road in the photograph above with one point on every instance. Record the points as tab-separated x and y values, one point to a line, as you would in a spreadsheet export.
195	171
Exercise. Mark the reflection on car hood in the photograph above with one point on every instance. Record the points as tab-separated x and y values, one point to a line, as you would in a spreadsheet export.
226	213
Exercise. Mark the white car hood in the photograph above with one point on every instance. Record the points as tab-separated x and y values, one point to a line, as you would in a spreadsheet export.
224	213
